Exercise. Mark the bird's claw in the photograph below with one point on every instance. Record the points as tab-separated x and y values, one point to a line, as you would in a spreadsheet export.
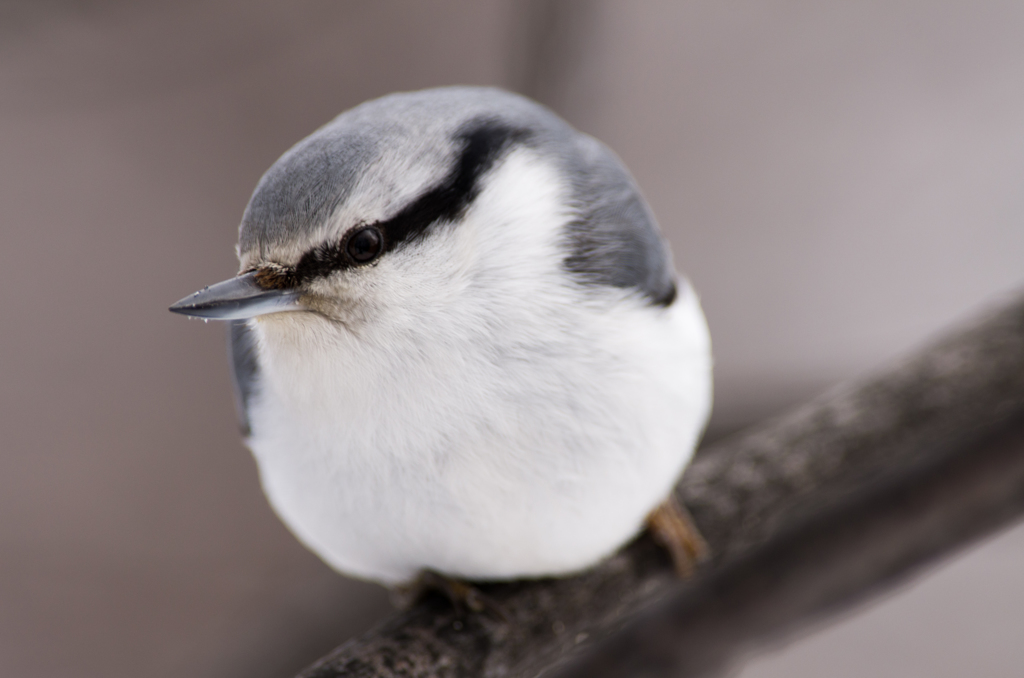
464	597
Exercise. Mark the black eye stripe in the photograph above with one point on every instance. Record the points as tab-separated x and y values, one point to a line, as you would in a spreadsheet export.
323	260
483	141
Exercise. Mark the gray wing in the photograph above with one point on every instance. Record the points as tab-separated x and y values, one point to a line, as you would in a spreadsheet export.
616	240
245	370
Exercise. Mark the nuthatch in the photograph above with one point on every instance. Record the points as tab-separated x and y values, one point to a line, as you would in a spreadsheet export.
460	344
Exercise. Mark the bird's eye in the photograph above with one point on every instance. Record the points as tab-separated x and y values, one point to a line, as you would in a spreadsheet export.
365	244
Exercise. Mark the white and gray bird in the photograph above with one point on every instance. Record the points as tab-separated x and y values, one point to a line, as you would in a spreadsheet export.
459	342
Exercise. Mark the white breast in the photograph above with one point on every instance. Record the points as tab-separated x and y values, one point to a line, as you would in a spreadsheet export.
487	418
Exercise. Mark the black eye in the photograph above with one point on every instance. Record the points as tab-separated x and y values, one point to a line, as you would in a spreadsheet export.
365	244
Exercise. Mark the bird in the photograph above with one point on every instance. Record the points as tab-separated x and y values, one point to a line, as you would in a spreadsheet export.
460	345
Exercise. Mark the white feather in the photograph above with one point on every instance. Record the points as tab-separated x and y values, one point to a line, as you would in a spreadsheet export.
476	411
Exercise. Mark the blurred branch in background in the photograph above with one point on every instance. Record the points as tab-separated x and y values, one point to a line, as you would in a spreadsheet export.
807	515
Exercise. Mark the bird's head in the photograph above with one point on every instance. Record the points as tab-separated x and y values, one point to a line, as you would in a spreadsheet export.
408	200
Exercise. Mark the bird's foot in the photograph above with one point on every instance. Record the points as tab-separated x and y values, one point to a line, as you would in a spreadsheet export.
671	526
464	597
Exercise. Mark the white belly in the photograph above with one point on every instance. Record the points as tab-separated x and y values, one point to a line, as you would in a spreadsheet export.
536	454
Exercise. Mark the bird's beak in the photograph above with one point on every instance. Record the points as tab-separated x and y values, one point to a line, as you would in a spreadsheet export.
237	299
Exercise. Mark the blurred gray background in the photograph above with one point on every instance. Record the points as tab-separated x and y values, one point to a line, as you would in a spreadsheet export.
840	181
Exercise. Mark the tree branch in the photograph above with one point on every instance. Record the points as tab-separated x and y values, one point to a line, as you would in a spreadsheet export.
806	515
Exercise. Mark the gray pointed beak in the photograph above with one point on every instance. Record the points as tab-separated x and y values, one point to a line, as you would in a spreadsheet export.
237	299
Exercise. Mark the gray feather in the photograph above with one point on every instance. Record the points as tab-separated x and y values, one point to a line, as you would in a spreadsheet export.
304	186
616	240
245	369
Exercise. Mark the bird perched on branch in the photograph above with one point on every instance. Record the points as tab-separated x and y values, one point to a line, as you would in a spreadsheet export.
460	346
